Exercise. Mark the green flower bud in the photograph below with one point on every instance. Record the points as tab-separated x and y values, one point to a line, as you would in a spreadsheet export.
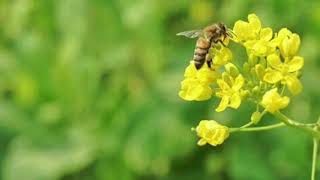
256	117
259	71
232	69
246	67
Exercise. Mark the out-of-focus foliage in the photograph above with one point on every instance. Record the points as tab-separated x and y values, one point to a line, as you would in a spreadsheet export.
89	90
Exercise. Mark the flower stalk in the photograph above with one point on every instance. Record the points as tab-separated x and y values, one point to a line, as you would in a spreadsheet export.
309	128
314	158
261	128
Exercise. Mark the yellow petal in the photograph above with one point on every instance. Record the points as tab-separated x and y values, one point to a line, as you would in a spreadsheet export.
266	34
241	30
273	102
202	142
274	61
223	104
293	83
284	32
260	48
284	102
190	71
222	84
295	44
239	81
235	101
222	57
232	69
201	93
296	63
255	23
272	76
290	45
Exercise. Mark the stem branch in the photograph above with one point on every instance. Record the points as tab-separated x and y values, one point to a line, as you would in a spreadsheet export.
309	128
261	128
314	159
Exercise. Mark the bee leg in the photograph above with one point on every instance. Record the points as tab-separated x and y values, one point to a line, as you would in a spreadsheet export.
221	42
209	63
209	60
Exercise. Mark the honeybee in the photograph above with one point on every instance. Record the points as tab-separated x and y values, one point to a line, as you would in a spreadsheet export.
207	37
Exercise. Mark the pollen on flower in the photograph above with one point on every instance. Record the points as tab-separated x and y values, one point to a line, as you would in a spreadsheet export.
211	132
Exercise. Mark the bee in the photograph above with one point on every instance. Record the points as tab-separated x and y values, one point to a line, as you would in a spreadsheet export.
207	38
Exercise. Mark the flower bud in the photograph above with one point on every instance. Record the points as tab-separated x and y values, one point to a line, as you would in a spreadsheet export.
256	117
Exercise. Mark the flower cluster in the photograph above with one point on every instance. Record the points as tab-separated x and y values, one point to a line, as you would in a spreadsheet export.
197	83
267	77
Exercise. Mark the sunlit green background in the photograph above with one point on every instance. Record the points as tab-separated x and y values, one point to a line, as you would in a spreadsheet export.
89	92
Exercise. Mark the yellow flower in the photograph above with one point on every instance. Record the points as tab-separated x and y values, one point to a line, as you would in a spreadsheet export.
229	92
211	132
256	39
193	90
287	42
273	102
284	72
196	85
247	30
220	56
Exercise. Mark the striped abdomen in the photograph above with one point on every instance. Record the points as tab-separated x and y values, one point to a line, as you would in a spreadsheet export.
202	48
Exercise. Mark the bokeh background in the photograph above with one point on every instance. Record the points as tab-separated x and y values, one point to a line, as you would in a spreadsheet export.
89	90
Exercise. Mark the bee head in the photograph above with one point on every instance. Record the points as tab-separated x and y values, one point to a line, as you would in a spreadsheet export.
223	30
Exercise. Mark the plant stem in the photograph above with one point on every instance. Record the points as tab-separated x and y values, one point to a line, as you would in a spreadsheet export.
261	128
314	158
305	127
246	125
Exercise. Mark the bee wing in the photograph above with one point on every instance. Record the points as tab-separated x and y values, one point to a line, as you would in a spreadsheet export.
190	34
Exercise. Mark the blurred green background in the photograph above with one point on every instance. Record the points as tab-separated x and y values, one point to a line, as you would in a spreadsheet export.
89	90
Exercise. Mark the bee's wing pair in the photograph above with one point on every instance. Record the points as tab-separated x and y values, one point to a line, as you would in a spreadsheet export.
190	34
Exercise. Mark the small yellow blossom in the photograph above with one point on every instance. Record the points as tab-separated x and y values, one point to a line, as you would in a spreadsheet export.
220	56
256	39
247	30
287	42
204	75
193	90
273	102
229	92
196	85
284	72
211	132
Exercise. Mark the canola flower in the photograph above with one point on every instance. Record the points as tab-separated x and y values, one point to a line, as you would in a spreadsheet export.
211	132
267	78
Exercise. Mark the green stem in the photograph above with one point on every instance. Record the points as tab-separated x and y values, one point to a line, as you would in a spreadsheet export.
314	158
305	127
261	128
246	125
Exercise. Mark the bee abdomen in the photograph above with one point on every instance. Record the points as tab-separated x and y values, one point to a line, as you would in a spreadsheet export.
199	60
200	52
203	43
